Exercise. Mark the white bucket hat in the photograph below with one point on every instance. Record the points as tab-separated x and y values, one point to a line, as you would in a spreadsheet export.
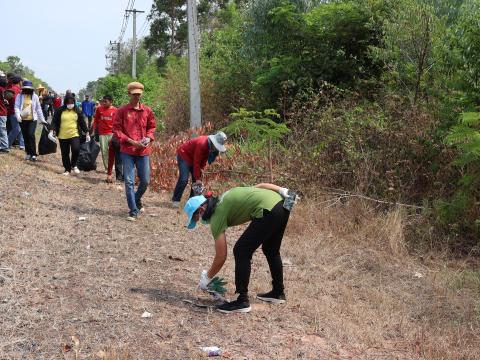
218	140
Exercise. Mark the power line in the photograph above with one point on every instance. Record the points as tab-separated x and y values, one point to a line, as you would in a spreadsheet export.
126	16
144	26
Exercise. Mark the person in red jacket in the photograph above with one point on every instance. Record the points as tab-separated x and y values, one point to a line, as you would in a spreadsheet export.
57	102
192	157
12	90
3	115
134	127
102	126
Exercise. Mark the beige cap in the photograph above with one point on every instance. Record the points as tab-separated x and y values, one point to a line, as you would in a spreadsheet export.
135	88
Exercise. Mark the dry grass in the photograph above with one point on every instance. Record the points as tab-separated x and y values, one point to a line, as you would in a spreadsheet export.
77	289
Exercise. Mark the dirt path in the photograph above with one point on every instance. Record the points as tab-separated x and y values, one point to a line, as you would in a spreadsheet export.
93	279
77	289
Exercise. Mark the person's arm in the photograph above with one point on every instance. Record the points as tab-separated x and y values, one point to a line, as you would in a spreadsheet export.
220	255
281	190
200	155
81	121
151	126
18	101
38	110
96	118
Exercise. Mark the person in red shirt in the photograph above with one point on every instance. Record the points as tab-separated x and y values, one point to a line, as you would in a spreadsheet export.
192	157
3	115
102	126
12	90
57	102
134	127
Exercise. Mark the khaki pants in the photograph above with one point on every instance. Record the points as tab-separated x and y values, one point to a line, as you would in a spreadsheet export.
104	142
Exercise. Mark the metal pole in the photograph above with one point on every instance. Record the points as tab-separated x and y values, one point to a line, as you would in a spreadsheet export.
134	46
193	66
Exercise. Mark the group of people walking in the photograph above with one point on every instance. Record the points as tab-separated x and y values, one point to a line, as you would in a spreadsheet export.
125	136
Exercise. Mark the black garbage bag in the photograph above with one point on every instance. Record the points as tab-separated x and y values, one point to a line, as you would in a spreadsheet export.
87	158
46	146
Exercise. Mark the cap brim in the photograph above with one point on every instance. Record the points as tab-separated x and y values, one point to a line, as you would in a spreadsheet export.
191	225
28	87
137	91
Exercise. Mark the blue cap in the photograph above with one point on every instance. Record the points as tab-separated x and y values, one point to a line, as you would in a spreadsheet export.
191	206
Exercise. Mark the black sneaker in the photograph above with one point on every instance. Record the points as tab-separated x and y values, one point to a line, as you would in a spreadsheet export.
235	307
272	297
140	207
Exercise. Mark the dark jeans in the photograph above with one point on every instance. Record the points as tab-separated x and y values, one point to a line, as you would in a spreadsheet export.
184	172
268	232
142	163
14	131
118	160
28	132
89	122
70	145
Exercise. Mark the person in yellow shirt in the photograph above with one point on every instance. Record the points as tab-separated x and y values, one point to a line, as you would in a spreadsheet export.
69	124
28	112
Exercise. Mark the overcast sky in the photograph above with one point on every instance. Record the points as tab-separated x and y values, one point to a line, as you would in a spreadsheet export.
64	41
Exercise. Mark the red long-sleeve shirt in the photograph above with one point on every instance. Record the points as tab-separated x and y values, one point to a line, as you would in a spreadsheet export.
3	107
103	120
195	153
11	103
135	124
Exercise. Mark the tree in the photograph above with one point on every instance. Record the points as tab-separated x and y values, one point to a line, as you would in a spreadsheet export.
411	33
169	30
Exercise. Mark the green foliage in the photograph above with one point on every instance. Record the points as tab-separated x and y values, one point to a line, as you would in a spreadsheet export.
257	128
116	87
467	40
462	208
411	32
277	47
14	64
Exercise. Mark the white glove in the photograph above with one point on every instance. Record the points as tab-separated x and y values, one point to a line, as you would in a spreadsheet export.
88	137
145	141
204	280
19	118
283	192
52	137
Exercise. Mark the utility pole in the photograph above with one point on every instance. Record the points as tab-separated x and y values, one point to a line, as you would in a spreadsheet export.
134	46
193	66
117	60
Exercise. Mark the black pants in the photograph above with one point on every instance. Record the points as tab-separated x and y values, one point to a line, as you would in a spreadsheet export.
118	160
66	145
268	232
90	118
28	132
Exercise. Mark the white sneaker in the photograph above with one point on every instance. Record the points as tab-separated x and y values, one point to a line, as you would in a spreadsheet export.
27	157
132	218
75	170
176	204
66	173
33	158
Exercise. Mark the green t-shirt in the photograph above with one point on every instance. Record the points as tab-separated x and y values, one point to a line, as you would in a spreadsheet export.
240	205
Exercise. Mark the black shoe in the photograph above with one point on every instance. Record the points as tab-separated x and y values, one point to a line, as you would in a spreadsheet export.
237	306
272	297
140	207
4	151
